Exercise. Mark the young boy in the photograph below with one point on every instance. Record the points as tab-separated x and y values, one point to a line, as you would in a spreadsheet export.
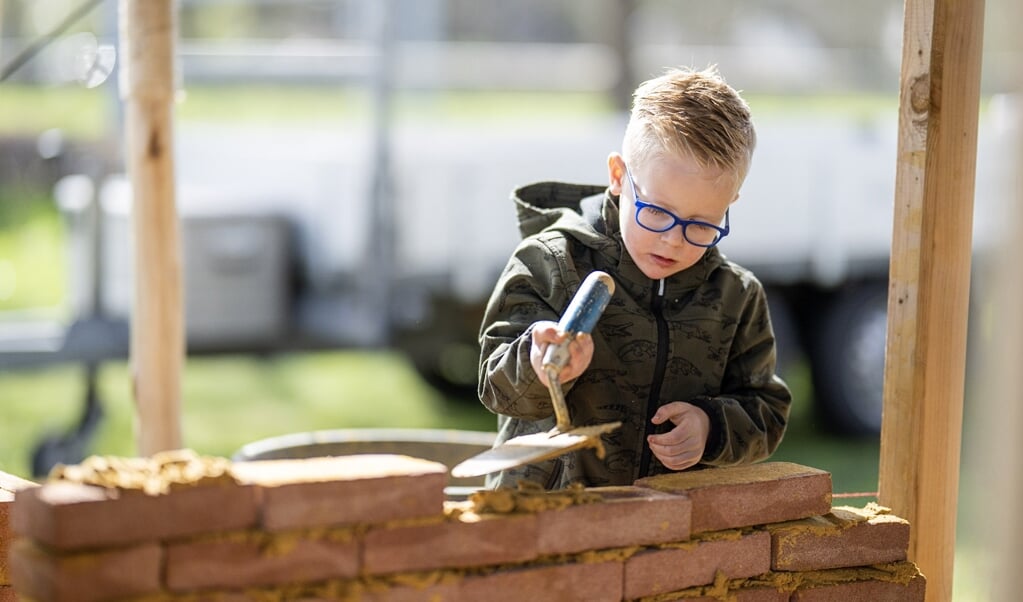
684	354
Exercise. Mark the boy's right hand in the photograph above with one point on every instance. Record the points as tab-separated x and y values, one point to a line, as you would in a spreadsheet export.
580	351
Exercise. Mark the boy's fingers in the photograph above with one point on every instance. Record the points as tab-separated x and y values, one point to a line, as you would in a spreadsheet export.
672	411
673	441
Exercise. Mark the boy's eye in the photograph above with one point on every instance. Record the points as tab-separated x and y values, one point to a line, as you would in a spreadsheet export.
655	212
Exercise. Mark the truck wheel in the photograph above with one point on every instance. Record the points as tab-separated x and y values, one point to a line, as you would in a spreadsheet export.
847	359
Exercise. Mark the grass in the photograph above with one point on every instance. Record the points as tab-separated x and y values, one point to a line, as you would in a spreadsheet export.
33	271
85	113
232	400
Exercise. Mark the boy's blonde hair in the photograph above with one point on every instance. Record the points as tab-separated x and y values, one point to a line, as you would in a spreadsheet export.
695	114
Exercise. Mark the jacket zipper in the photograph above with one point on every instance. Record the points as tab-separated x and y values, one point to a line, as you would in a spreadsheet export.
657	308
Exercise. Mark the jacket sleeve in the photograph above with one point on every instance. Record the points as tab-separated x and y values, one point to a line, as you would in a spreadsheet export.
749	417
532	287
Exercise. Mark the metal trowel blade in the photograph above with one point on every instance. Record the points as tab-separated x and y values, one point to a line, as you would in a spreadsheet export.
529	449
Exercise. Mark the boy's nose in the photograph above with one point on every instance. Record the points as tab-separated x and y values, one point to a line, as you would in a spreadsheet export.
674	236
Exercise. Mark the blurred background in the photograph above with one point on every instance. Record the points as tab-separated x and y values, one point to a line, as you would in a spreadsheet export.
344	170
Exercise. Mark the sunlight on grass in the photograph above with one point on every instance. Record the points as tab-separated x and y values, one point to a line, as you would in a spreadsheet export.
33	269
35	403
29	110
234	400
85	113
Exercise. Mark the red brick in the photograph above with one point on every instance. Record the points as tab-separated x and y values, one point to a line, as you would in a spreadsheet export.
627	516
672	569
345	490
844	538
85	577
864	591
7	594
744	496
219	595
744	594
69	516
247	560
583	582
467	541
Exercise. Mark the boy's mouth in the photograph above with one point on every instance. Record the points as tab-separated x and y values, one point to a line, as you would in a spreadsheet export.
662	261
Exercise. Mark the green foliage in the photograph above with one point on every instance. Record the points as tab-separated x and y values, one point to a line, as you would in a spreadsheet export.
33	266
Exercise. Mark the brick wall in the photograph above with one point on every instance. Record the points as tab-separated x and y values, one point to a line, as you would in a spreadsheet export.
376	528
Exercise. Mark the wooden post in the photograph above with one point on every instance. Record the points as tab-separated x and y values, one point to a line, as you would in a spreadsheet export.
930	278
147	32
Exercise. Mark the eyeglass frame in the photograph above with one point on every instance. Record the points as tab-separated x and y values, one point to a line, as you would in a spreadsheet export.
678	221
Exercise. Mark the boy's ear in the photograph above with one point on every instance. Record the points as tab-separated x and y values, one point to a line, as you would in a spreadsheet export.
615	173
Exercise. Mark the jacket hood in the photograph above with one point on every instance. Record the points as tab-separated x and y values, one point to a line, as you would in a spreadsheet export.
589	213
545	204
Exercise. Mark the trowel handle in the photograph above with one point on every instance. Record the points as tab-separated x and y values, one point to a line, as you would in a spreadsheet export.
581	315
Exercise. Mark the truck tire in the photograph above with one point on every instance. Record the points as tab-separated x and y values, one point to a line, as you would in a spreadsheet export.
847	351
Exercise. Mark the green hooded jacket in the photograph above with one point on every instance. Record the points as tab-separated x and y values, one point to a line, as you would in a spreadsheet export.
702	336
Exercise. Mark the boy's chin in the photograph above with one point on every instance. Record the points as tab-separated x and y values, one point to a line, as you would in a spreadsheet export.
655	272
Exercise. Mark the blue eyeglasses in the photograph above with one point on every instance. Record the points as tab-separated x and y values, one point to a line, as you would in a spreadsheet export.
656	219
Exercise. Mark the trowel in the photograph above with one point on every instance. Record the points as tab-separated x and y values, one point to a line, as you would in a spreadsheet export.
579	318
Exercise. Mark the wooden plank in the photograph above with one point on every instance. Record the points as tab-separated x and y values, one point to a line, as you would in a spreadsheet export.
930	278
147	32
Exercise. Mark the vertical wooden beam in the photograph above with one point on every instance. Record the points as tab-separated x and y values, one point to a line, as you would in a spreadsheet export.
930	278
147	33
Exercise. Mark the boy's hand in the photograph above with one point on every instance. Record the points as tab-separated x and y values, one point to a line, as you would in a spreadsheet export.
682	446
580	351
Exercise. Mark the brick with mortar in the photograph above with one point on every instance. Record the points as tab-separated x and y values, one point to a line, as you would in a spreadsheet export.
625	516
732	590
845	537
257	559
465	539
751	594
85	577
345	490
582	582
865	591
727	555
745	496
67	516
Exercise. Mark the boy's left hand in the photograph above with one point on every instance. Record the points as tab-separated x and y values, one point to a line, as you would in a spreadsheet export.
682	446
